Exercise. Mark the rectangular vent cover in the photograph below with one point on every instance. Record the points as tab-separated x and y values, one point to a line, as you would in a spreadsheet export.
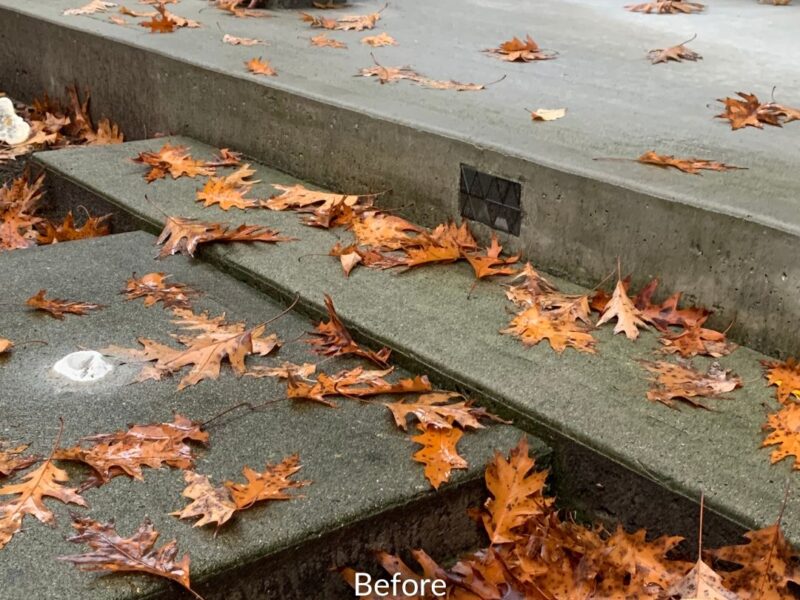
490	200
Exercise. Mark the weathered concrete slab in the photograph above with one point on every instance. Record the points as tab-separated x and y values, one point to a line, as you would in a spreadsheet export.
367	492
730	238
615	452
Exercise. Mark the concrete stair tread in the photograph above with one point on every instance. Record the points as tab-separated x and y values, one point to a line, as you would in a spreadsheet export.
429	318
366	486
731	236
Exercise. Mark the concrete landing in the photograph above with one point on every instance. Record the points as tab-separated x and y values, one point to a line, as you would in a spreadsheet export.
366	493
615	452
730	238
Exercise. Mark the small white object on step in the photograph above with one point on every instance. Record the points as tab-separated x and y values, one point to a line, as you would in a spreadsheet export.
86	365
13	129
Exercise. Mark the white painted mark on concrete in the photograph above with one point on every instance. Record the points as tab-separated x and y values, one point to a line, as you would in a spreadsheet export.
13	129
86	365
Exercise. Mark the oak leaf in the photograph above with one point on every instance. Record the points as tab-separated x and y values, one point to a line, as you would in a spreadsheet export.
748	111
269	484
160	23
701	583
229	191
92	7
516	50
686	165
355	383
332	338
173	160
661	316
533	287
6	345
19	202
323	41
153	287
49	233
324	207
673	382
677	53
437	410
13	459
347	23
284	371
211	504
696	340
785	376
560	328
490	263
58	308
380	40
516	494
259	66
620	307
768	566
667	7
137	13
128	452
393	74
383	231
112	553
45	481
784	431
439	453
241	41
182	235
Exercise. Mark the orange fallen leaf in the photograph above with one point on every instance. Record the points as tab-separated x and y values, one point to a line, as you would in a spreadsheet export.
348	23
517	494
748	111
439	453
687	165
241	41
768	565
326	209
6	345
128	452
621	308
673	382
58	308
13	459
218	505
393	74
516	50
49	233
380	40
332	338
153	287
260	67
136	13
534	325
46	481
173	160
112	553
785	376
229	191
667	7
490	263
92	7
438	410
696	340
323	41
160	23
701	582
182	235
667	314
355	383
678	53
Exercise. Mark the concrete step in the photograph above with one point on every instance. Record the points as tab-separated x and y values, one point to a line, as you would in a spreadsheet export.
616	454
729	238
367	493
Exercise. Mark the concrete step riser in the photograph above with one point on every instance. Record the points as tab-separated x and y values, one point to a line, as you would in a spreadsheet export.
593	485
572	225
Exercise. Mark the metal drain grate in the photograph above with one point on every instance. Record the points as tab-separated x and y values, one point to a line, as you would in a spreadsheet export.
490	200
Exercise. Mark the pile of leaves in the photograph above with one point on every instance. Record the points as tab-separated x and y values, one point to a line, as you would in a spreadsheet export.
21	227
56	124
535	552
